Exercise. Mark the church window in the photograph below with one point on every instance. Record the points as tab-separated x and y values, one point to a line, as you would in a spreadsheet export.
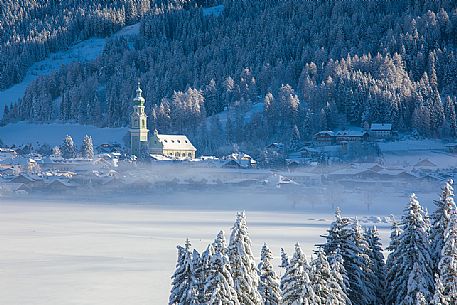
189	155
143	124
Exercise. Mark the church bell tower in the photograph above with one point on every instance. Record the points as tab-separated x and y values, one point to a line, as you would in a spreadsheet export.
138	125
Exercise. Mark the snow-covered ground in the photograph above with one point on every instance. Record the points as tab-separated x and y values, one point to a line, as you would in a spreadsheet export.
56	253
86	50
54	133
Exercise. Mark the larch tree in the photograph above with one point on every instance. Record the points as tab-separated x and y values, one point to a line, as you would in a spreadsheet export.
268	280
242	263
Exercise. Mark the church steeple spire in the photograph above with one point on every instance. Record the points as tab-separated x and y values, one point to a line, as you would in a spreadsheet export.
139	99
138	125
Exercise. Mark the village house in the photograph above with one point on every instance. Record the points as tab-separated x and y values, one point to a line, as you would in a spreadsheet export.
381	130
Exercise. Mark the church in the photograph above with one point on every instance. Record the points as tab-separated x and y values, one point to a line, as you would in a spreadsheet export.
173	146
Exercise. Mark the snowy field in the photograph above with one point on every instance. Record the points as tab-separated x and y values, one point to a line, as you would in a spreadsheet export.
22	133
123	251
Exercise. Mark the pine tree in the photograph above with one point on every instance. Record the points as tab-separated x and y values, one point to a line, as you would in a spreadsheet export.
447	267
242	264
377	265
415	265
296	286
219	285
68	148
87	148
182	278
268	280
445	206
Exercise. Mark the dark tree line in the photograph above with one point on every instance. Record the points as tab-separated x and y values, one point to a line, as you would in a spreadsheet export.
315	64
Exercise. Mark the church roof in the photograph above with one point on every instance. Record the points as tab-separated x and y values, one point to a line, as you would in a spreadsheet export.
175	142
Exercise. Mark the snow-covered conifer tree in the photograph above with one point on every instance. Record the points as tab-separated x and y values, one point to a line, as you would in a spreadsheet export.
447	266
219	285
87	148
438	297
56	152
339	288
195	293
182	278
284	259
377	265
296	286
322	280
242	264
360	272
68	148
268	280
353	249
440	219
413	258
393	264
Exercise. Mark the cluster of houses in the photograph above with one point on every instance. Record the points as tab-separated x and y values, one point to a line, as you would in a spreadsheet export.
376	131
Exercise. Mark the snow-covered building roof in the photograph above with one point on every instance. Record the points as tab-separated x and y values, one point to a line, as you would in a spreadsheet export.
381	127
350	133
175	142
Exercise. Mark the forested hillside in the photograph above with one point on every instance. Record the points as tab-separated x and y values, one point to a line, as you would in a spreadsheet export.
315	65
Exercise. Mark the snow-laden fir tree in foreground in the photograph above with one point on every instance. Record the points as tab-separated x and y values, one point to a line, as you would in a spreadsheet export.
377	265
415	265
393	262
340	288
242	263
182	278
352	246
447	266
268	280
440	219
361	276
296	286
219	285
68	148
87	148
284	259
326	282
195	293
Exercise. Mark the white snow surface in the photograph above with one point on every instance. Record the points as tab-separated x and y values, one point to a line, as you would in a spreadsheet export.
56	253
53	134
86	50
